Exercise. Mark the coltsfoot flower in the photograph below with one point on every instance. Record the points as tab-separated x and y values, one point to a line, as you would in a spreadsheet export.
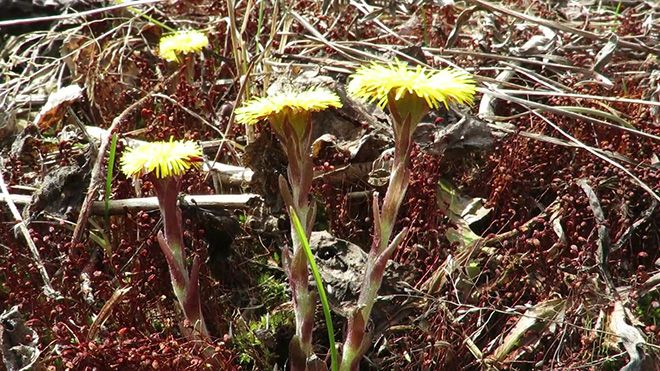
378	82
162	159
181	42
277	107
289	114
409	93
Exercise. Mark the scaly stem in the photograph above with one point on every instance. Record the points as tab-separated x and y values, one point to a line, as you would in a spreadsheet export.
185	286
381	248
297	142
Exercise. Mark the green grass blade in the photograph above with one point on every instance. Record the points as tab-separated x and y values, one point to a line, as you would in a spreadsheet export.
108	179
260	22
150	19
319	284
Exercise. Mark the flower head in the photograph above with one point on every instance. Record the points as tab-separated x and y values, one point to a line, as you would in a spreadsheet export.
275	107
163	159
181	42
375	82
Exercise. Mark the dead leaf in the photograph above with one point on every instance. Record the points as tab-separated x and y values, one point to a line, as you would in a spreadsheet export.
529	328
52	112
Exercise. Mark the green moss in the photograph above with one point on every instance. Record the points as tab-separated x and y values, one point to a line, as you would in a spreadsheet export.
609	364
646	312
473	270
273	292
254	342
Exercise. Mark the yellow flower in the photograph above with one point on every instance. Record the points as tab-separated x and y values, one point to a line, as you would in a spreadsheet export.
376	82
275	108
163	159
181	42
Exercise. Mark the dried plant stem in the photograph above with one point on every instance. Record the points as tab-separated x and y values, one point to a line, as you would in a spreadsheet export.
241	58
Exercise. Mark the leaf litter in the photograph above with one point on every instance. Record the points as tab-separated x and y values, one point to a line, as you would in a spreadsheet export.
533	220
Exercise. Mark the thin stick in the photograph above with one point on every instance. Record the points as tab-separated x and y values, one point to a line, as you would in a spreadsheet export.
115	207
59	17
239	201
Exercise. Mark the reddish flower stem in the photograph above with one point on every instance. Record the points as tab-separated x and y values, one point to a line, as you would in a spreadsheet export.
185	286
300	175
356	343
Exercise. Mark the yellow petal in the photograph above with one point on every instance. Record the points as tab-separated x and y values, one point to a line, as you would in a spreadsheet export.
163	159
181	42
375	82
265	108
